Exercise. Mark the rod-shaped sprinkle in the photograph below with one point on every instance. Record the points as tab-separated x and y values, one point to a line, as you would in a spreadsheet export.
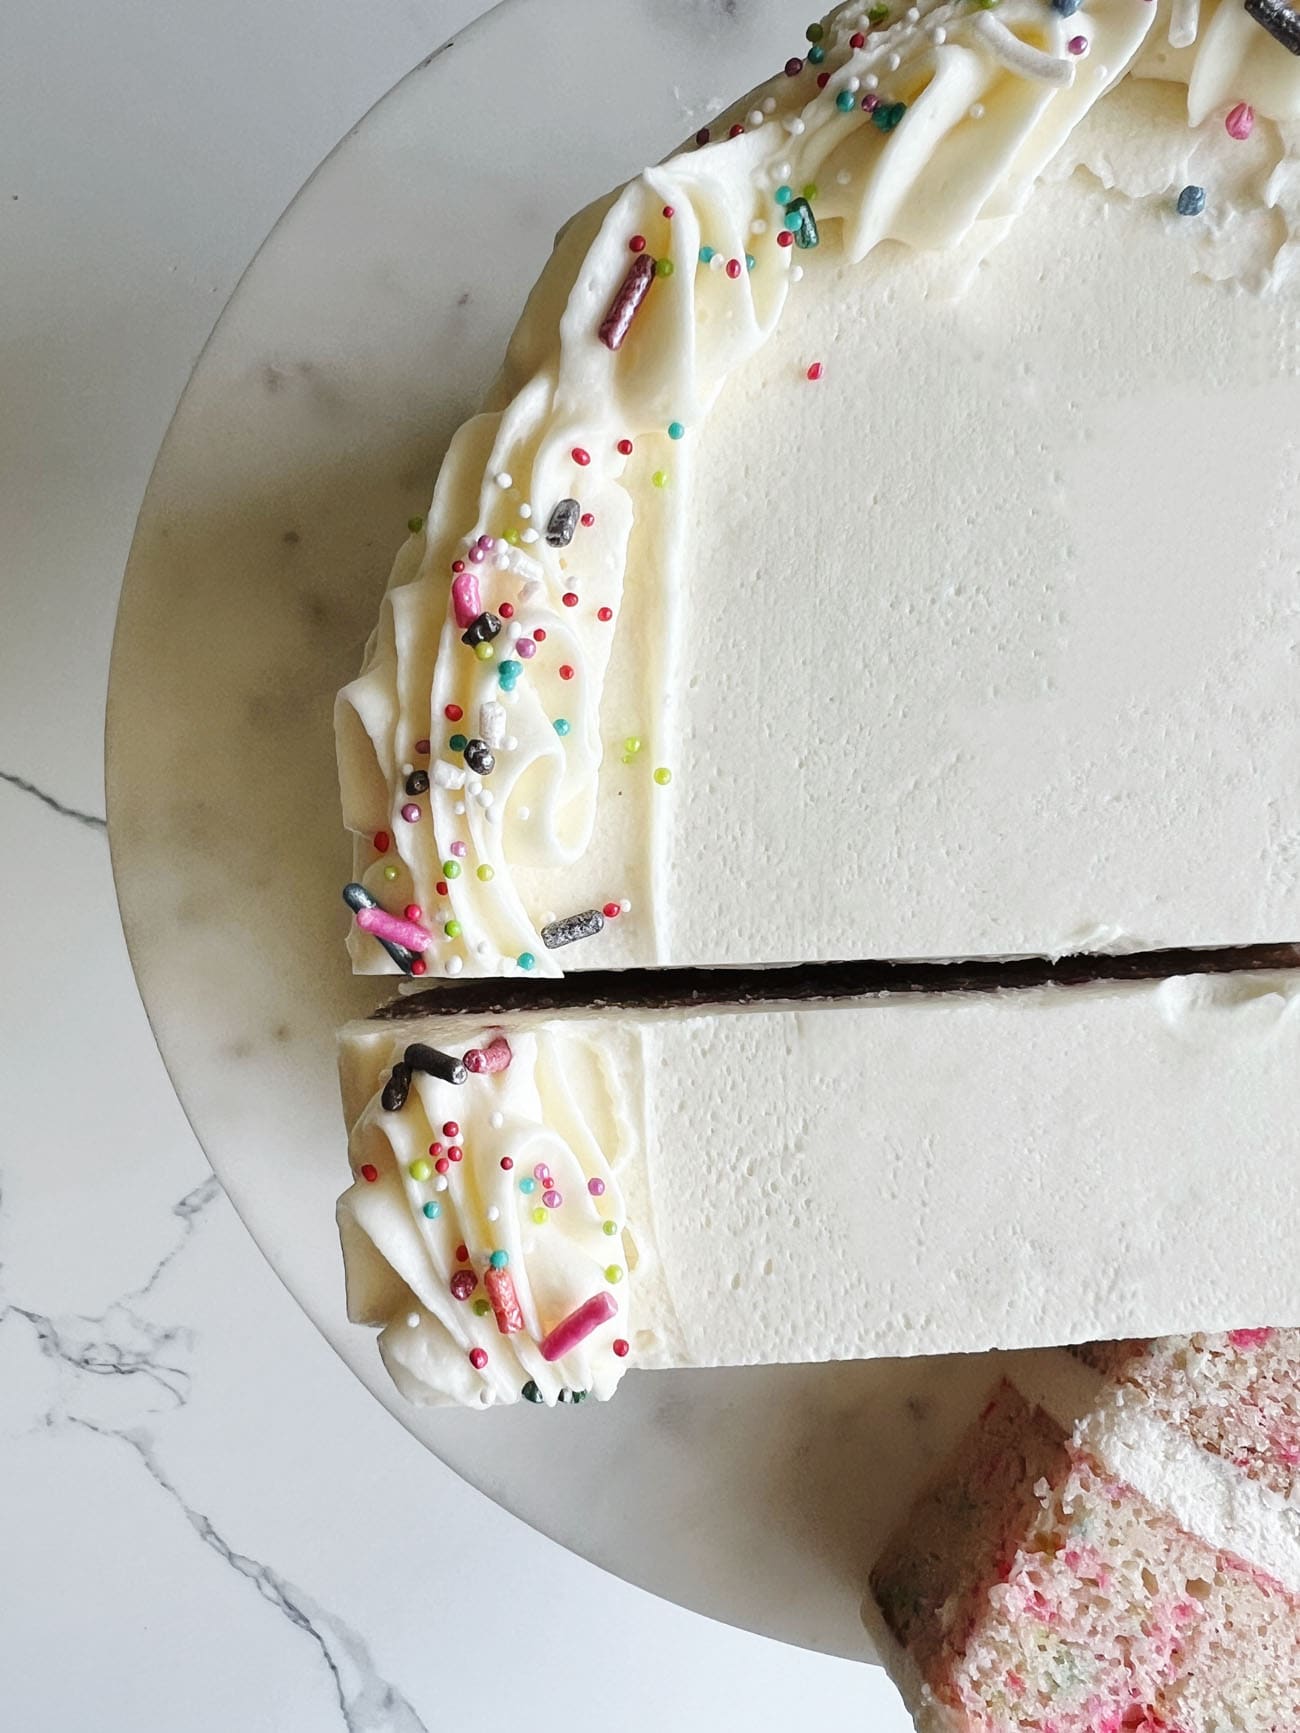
579	1324
563	521
496	1056
624	307
1281	22
500	1287
396	1090
394	927
466	598
435	1063
357	897
583	926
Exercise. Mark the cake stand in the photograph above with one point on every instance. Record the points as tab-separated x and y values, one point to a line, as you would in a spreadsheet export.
367	327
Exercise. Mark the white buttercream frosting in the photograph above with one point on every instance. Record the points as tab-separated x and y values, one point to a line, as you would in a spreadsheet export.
928	1175
571	816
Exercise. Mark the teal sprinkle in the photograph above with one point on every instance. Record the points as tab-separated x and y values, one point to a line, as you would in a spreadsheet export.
561	725
509	671
528	1186
794	220
706	253
527	960
816	54
499	1260
433	1211
888	115
675	428
784	195
458	743
845	101
750	261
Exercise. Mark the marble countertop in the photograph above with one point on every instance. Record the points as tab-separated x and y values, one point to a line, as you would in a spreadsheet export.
208	1523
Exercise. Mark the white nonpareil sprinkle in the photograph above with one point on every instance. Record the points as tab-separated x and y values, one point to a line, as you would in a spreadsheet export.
793	124
843	178
796	273
497	1120
529	535
440	1184
493	1213
769	105
407	769
447	775
511	743
413	1320
482	948
783	171
459	809
525	510
454	965
854	84
938	35
492	722
525	813
505	479
976	111
758	226
625	905
486	798
893	63
870	81
913	15
756	117
472	786
717	262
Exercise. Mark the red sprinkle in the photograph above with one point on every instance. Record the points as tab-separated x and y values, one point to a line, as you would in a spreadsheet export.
637	243
455	1152
815	371
419	966
442	1164
736	131
539	632
611	911
412	911
453	712
462	1254
435	1149
823	79
441	887
369	1172
604	613
507	1162
566	672
458	565
669	211
569	598
624	446
381	841
621	1347
784	238
451	1129
857	40
733	267
702	136
422	746
580	457
507	610
478	1358
586	520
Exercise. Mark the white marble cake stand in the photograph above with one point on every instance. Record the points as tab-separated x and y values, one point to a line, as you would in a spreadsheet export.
365	330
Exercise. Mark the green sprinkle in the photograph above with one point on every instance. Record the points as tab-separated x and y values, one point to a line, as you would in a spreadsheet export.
877	14
452	929
539	1215
390	872
561	725
481	1308
810	191
530	1392
526	960
499	1260
663	776
664	268
609	1227
632	744
613	1273
846	101
784	194
433	1210
415	525
451	869
484	652
420	1170
486	873
660	478
512	536
706	253
458	743
675	430
815	32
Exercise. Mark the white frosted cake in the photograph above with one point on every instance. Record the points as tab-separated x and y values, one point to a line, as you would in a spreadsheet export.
541	1203
882	539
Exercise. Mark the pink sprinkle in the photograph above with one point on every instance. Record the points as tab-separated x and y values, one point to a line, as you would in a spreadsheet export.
1240	122
815	371
466	599
596	1187
525	647
476	554
411	812
478	1358
459	850
552	1199
394	929
1078	45
1249	1338
496	1056
463	1284
579	1324
542	1172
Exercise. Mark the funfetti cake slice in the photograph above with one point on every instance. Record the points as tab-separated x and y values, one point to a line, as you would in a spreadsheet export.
1110	1553
538	1205
883	538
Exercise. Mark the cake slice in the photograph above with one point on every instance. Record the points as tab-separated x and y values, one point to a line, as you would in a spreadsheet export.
823	580
1114	1552
539	1204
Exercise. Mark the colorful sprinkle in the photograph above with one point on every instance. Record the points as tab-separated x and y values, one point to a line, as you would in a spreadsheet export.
609	1228
420	1169
624	448
613	1274
660	478
369	1172
801	222
663	776
565	671
734	268
504	1300
663	268
1078	45
452	929
611	911
580	456
552	1199
621	1347
422	746
478	1358
587	519
451	1129
496	1056
570	598
815	370
381	841
466	598
484	652
793	66
561	725
406	934
526	960
540	1216
463	1284
528	1186
529	1391
706	253
486	873
605	614
816	54
391	873
637	243
577	1326
596	1187
631	292
432	1210
411	812
846	101
676	430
